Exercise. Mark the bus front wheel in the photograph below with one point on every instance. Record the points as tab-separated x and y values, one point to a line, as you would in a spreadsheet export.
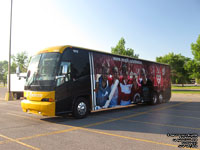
80	109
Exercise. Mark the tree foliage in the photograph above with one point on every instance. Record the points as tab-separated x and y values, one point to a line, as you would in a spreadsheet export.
195	47
177	62
3	71
20	59
193	67
121	50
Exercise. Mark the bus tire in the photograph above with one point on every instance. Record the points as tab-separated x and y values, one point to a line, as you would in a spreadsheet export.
154	99
160	98
136	98
80	109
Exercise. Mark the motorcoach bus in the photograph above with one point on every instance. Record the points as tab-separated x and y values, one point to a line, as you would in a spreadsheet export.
69	79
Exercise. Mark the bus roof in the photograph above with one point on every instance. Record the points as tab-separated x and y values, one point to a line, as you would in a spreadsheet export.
60	49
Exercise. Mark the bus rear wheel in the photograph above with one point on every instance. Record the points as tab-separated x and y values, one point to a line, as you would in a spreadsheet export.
80	109
154	99
160	98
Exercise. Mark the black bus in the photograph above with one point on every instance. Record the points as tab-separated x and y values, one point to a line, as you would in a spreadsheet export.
69	79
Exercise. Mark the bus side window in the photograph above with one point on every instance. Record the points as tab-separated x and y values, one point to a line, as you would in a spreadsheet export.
67	74
79	60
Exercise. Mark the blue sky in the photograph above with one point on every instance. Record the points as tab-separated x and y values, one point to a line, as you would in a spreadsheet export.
151	27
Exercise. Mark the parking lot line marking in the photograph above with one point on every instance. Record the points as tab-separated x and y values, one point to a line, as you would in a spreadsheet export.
197	106
160	124
164	114
22	116
76	128
181	103
134	115
4	142
13	114
186	110
48	133
16	141
71	129
98	123
114	119
132	138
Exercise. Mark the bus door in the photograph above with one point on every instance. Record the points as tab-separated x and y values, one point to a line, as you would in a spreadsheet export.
63	89
77	80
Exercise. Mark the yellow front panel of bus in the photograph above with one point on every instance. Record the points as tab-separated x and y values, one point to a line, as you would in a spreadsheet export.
39	108
34	104
38	96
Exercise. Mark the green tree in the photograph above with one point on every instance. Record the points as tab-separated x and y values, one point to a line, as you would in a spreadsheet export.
20	59
194	66
176	61
195	47
121	50
3	71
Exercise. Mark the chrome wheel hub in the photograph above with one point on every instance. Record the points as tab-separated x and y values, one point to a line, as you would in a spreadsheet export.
155	99
160	98
82	108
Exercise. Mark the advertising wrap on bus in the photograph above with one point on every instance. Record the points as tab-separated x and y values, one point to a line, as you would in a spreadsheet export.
123	81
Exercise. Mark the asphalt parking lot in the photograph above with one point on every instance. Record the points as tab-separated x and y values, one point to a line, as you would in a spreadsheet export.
140	127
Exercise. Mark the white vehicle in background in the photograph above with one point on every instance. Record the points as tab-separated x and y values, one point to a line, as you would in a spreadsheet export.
17	84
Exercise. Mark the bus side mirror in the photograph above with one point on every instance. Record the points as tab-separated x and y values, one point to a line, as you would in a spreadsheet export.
64	69
18	70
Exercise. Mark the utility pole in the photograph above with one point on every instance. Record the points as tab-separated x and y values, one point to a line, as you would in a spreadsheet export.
9	95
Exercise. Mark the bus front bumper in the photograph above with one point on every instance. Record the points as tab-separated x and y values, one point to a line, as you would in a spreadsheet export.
38	107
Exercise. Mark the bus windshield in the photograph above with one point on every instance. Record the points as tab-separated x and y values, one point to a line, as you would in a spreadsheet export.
42	69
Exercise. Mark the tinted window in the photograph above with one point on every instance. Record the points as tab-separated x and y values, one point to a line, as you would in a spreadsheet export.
79	62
